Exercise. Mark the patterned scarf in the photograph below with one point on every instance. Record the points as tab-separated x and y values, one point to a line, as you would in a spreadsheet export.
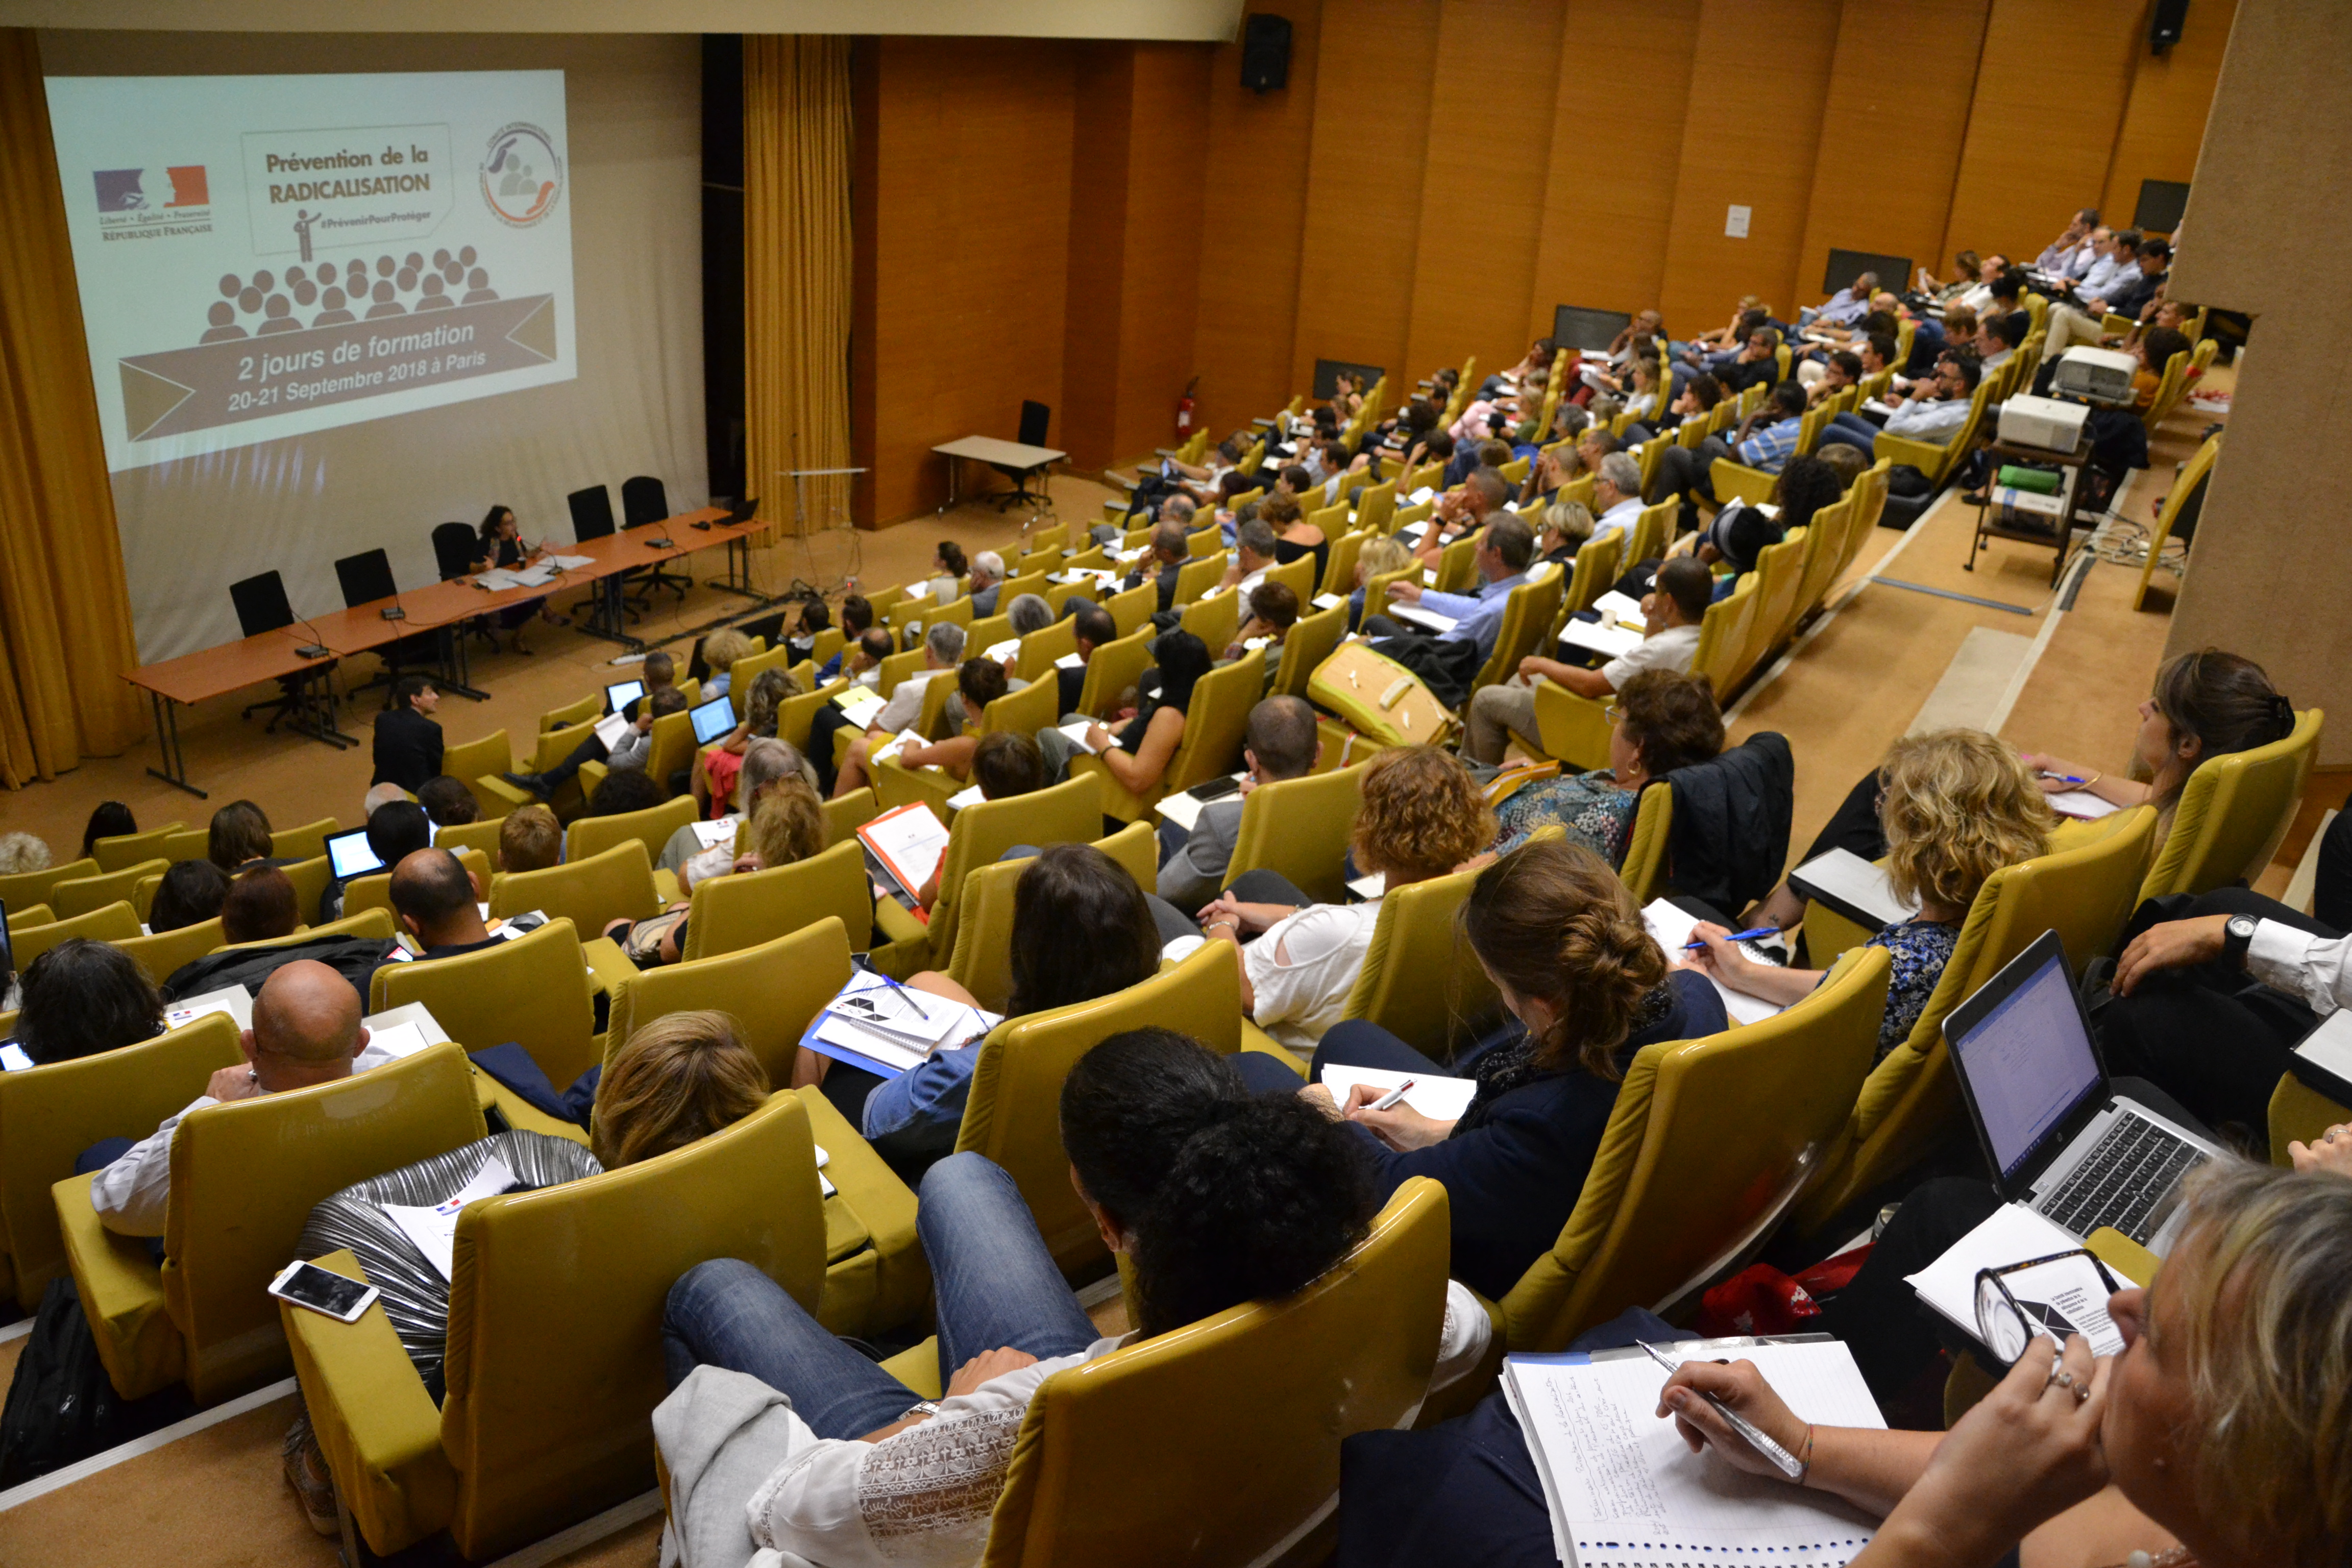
1513	1064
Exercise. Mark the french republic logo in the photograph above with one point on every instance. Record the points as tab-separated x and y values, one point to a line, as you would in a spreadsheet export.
521	176
151	189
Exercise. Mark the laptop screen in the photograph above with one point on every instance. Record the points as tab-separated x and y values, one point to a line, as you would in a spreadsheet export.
619	695
2028	1062
351	854
713	719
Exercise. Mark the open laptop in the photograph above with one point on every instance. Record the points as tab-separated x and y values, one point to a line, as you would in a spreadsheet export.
350	855
713	719
2060	1140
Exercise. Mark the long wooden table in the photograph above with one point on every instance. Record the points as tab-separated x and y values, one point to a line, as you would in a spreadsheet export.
440	608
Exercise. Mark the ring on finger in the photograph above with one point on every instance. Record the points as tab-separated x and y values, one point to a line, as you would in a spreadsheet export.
2068	1381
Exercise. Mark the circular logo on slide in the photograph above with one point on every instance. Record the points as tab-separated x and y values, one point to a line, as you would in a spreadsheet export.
521	175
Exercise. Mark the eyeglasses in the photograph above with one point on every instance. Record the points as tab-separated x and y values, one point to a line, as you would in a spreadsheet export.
1612	713
2008	1326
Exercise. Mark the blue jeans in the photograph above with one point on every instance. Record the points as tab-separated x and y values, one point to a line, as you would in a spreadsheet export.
995	1284
1852	429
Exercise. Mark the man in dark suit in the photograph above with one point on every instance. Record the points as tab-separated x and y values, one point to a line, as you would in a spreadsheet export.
1094	628
407	741
1282	743
1169	552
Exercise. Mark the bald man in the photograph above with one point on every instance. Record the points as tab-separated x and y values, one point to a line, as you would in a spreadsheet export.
306	1031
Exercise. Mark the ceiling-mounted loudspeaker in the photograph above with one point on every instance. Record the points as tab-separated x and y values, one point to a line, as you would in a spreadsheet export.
1266	53
2164	27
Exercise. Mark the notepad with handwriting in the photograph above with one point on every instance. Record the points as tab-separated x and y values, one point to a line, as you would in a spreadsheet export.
1624	1492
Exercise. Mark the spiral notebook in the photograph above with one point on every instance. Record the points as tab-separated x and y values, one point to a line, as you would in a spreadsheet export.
1623	1492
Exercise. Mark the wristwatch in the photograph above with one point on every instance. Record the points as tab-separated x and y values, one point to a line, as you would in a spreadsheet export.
2237	935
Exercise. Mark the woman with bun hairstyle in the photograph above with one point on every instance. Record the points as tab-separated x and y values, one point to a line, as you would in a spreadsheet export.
1586	986
1215	1197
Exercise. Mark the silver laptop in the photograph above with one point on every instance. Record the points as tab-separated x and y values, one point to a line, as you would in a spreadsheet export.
2059	1139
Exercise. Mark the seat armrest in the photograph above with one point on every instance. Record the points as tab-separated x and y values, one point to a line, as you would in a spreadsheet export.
378	1427
490	787
1927	457
121	1290
893	921
665	886
609	969
1737	481
888	1284
1257	1040
595	774
919	1369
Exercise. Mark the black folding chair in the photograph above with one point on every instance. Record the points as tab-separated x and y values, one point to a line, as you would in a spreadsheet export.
366	578
262	606
645	502
592	517
1035	418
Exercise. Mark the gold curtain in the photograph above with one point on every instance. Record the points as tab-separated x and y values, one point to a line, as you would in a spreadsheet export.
796	269
65	614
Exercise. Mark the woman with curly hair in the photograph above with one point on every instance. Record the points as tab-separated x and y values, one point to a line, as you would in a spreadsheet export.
1663	720
1586	987
779	1438
1958	805
1422	817
717	767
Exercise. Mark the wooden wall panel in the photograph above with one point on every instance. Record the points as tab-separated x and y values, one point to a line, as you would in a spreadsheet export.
1759	77
1253	217
1482	194
1356	256
1086	403
2050	94
970	240
1616	149
2164	120
1891	133
1161	289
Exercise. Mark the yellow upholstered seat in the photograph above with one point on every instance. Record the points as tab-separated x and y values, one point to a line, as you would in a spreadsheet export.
20	890
554	1352
1300	828
532	991
1215	721
1114	666
745	909
549	747
1215	618
362	894
160	954
27	917
1068	813
2193	474
116	923
1709	1141
83	895
482	835
1936	458
468	761
875	1276
572	713
846	814
1420	981
1645	845
130	848
1529	615
983	960
1309	642
245	1177
615	885
1910	1101
2233	813
1596	569
590	836
1574	730
2298	1114
48	1115
306	842
376	923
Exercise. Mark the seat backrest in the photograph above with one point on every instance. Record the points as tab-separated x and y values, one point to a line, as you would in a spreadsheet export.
558	743
2193	474
48	1115
2084	889
22	890
1645	846
642	500
117	922
1246	1410
1528	615
1596	570
362	894
895	668
1311	641
1298	575
1723	638
130	848
30	916
306	842
1420	982
1040	649
846	814
617	884
1068	813
1014	1115
1035	419
1215	723
1132	608
1215	619
261	604
2233	813
1195	578
454	551
771	989
481	837
1779	572
364	577
378	923
555	1347
1034	707
795	716
1300	828
592	512
84	894
1114	666
532	991
589	836
746	909
1705	1135
246	1175
160	954
1376	506
744	670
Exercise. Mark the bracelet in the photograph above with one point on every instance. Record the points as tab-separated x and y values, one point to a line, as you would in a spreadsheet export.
2091	780
1805	1466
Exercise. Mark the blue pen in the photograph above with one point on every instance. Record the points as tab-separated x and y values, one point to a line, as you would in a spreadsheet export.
2066	778
902	991
1753	934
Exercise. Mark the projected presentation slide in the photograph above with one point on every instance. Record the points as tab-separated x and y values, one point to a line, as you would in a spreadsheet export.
263	257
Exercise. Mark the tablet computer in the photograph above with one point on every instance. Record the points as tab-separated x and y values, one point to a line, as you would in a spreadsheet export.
713	719
350	855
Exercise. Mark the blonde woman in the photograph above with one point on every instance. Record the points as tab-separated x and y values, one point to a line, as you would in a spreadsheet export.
678	1078
1958	805
1561	530
787	826
1377	558
720	650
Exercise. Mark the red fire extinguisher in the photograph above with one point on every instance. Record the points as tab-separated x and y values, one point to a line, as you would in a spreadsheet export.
1184	409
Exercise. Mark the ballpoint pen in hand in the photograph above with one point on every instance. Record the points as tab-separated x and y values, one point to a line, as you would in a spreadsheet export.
1782	1460
1753	934
1388	1101
2065	778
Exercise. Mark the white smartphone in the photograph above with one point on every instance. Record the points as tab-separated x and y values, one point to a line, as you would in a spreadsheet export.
323	1291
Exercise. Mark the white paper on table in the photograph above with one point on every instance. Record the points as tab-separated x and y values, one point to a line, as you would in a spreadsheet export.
1625	606
878	1020
1670	925
964	797
1421	495
1179	949
233	1000
610	728
2082	805
711	834
395	1041
536	576
1328	601
1070	661
435	1230
571	563
2012	1234
1615	641
496	579
1439	1099
1076	731
1418	616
